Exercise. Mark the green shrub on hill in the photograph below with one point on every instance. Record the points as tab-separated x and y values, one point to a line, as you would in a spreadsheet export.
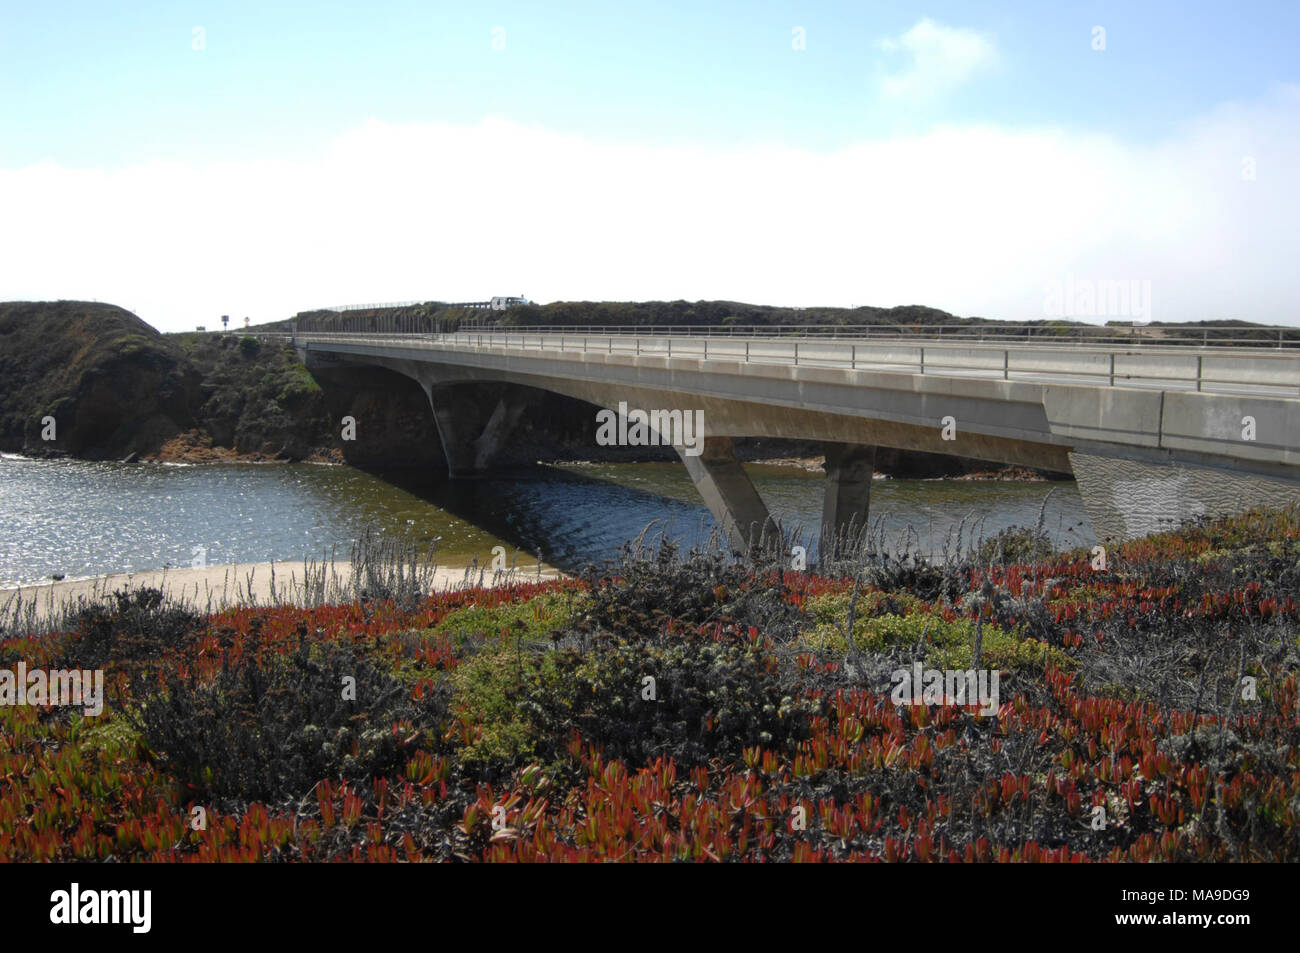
945	644
532	618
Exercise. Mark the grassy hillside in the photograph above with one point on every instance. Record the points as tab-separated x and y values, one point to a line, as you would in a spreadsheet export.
434	315
621	314
112	383
256	398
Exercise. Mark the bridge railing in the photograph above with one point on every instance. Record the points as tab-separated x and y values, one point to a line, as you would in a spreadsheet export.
1224	335
1215	369
1199	336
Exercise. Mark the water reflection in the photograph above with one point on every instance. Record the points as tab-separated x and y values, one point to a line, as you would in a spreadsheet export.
82	519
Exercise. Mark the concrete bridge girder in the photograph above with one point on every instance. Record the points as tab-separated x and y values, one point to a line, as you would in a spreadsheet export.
468	449
1143	459
842	420
716	472
988	426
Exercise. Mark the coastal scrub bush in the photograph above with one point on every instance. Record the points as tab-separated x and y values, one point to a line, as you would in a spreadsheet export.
494	695
711	696
399	568
714	691
297	385
708	696
130	626
1015	546
913	574
833	607
648	589
271	727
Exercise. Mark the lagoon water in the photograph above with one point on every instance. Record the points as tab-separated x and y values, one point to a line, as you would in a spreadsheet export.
84	519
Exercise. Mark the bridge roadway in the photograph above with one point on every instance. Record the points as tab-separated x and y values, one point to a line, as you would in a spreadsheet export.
1153	434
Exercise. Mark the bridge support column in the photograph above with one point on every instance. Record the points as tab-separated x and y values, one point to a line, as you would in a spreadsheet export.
729	494
469	454
497	429
847	500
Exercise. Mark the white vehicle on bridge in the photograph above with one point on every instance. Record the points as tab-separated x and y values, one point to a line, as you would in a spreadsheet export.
502	303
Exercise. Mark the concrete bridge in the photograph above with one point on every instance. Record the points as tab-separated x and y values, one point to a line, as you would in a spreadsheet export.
1153	434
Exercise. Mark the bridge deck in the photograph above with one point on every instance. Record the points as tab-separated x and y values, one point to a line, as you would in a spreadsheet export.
1222	370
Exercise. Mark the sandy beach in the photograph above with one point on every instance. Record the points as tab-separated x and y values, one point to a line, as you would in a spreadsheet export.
264	583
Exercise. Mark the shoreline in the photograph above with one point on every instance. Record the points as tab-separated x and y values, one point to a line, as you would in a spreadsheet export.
220	456
254	584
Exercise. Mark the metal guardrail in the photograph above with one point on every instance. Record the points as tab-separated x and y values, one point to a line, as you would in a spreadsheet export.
1118	366
485	305
1109	335
374	307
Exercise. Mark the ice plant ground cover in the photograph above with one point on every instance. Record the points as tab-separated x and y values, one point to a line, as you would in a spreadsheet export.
690	708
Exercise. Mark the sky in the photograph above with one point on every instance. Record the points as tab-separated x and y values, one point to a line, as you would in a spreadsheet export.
1093	160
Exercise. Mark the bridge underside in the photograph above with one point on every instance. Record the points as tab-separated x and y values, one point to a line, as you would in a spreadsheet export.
1160	474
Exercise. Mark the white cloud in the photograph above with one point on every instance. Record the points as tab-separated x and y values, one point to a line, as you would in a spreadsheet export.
976	220
940	58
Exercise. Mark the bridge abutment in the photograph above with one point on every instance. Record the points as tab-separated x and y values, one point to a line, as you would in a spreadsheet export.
1126	498
730	495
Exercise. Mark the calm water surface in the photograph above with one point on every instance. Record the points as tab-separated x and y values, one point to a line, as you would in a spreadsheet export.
84	519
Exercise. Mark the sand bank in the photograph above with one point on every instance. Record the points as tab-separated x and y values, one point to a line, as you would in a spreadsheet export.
265	583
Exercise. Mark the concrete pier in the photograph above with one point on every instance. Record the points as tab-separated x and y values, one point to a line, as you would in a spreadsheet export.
469	448
730	495
847	500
